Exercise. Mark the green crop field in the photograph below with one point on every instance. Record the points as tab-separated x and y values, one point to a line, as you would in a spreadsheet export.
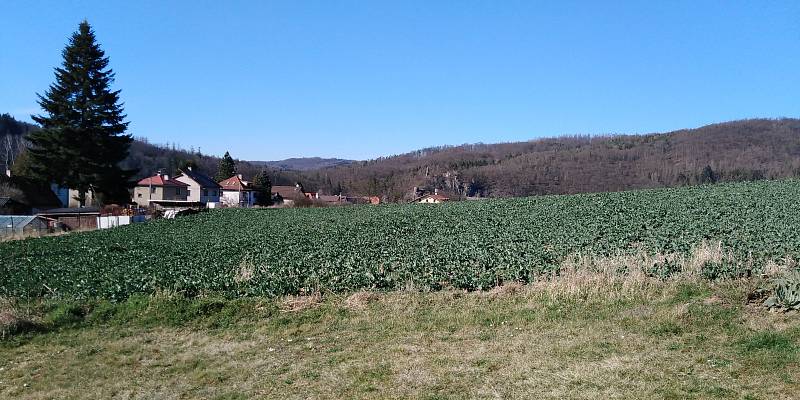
467	245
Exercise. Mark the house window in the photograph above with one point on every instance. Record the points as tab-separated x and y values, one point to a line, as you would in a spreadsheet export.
152	189
178	191
139	195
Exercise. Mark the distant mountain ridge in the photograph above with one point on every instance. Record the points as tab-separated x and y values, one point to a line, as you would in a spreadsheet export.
303	163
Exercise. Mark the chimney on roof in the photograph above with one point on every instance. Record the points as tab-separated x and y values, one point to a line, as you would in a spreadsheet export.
165	177
239	175
435	191
8	172
189	168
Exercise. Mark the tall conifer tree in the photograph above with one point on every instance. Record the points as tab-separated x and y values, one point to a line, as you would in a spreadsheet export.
263	187
82	140
226	169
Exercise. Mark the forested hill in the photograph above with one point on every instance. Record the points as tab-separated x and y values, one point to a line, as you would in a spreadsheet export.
303	163
12	139
148	158
732	151
144	157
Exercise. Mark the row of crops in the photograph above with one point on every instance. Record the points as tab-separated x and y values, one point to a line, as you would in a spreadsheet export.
468	245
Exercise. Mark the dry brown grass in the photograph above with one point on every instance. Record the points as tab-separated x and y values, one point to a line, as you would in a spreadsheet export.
360	300
627	276
13	318
589	276
506	289
28	235
301	302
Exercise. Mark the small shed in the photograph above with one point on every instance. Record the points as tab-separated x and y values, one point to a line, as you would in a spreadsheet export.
75	217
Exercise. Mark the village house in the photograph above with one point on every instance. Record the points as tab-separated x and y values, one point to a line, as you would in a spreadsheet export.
237	192
201	188
69	197
434	198
288	194
159	188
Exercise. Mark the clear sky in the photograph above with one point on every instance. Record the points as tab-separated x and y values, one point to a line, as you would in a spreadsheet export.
360	79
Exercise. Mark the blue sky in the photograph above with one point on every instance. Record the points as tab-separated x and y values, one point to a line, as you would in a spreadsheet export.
360	79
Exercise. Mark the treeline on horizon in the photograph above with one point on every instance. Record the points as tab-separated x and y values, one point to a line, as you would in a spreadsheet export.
733	151
743	150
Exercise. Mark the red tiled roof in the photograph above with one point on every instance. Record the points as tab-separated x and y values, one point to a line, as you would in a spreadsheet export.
203	180
287	192
158	180
234	183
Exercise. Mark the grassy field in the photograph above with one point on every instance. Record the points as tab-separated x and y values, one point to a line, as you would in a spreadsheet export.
557	339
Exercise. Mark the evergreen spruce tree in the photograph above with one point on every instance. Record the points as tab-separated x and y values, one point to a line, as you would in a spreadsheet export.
82	140
226	169
263	187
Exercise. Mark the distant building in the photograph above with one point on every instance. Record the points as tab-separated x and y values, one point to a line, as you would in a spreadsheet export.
331	200
237	192
289	194
336	200
201	188
157	188
69	197
433	199
73	218
20	225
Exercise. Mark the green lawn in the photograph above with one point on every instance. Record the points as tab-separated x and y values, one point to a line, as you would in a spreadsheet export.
672	340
